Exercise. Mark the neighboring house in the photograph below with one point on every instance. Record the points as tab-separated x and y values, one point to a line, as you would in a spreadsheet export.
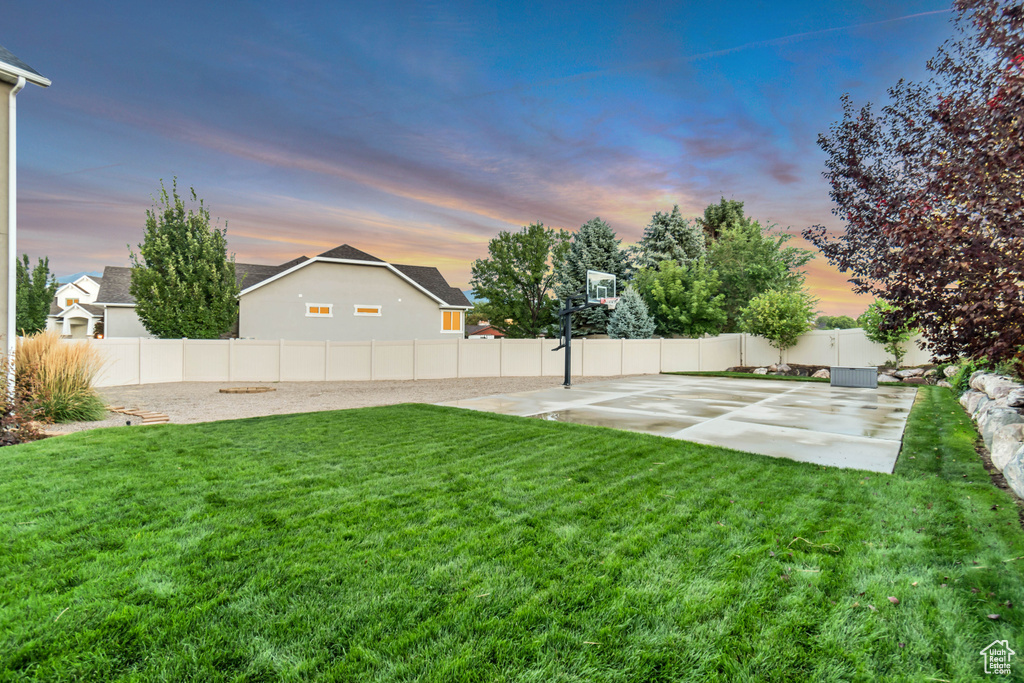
483	331
343	294
72	311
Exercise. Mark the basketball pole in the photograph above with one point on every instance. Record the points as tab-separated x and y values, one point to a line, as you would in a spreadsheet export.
566	315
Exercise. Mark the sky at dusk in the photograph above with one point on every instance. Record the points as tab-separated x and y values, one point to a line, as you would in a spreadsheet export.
417	131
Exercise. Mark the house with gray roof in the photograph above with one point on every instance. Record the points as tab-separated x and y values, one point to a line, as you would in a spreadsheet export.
73	312
343	294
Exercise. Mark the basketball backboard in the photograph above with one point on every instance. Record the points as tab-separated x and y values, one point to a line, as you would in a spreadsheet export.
599	286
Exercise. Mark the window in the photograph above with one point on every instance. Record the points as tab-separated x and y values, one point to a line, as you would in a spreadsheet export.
367	309
319	310
70	302
452	321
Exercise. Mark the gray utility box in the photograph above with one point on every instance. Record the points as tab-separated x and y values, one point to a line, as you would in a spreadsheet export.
862	378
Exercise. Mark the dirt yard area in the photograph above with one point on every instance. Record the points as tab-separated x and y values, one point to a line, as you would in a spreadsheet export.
187	402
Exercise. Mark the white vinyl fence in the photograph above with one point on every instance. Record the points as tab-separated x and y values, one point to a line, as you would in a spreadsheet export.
145	361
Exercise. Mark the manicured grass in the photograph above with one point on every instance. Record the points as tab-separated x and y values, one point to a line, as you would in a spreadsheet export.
425	543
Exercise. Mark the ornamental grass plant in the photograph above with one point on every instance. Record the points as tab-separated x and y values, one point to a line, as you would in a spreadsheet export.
61	374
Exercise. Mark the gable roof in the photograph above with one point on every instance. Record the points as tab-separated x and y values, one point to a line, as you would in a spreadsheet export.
430	278
478	329
12	65
116	281
59	312
344	251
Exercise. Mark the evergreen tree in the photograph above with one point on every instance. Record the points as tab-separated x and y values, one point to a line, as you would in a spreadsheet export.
631	319
182	279
670	237
685	300
719	216
35	292
593	247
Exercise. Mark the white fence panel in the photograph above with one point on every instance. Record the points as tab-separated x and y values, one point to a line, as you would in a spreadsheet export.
522	357
679	355
349	361
601	357
856	351
394	360
205	360
255	360
915	354
161	360
817	347
480	358
553	362
437	358
641	356
719	353
120	362
303	361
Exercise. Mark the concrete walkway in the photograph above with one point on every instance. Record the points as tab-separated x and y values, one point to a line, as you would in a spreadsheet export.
806	421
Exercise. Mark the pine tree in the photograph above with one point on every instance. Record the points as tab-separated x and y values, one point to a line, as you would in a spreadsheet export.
35	292
182	279
670	237
593	247
631	319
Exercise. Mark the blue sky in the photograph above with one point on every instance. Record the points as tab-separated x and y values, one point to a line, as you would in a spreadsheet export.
417	131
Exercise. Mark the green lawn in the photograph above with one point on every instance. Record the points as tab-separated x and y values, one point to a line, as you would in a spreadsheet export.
424	543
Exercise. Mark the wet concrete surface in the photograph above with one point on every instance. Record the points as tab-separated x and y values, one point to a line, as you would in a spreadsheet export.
809	422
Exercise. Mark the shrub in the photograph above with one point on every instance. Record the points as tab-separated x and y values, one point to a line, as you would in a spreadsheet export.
882	323
62	374
21	417
778	316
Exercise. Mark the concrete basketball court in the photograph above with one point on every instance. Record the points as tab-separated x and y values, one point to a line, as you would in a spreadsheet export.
806	421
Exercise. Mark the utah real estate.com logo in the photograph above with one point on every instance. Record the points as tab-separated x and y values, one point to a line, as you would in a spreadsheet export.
997	657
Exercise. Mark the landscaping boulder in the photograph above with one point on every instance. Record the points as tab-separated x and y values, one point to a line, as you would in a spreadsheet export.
997	386
760	371
1015	399
910	372
950	370
773	368
1007	441
1014	472
783	368
975	380
992	420
929	372
887	378
915	380
969	400
822	374
943	383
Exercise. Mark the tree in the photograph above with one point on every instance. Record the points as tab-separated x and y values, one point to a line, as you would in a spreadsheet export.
631	319
931	193
685	300
882	325
35	291
779	316
751	260
182	279
517	279
593	247
838	322
478	313
718	216
670	237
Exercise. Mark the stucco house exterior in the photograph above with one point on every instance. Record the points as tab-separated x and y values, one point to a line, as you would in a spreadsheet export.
73	312
343	294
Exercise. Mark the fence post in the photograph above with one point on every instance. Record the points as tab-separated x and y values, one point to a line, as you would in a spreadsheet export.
140	362
835	338
622	356
540	345
327	358
231	361
458	358
373	359
583	358
415	359
501	356
661	355
700	354
280	360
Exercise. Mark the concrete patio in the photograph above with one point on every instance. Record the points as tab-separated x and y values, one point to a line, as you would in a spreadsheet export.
805	421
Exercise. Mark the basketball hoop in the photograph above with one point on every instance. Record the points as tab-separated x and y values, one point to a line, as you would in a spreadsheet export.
610	302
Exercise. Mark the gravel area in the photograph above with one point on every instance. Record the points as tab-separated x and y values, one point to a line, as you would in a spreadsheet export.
189	402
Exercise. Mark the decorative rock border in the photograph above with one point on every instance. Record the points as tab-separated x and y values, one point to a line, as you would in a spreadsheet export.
993	402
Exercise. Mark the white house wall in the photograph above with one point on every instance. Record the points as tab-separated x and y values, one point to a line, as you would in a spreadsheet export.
278	309
121	321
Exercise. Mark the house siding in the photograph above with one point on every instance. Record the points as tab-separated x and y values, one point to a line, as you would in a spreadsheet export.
278	309
121	321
